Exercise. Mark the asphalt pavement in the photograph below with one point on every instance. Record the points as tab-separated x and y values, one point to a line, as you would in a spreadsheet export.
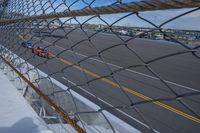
116	86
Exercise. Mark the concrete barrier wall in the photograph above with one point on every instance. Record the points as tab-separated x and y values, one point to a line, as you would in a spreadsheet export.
70	101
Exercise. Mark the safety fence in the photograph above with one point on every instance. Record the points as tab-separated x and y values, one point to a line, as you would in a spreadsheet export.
25	78
86	62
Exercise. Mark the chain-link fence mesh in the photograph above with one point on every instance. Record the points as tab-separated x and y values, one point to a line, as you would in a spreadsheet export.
143	67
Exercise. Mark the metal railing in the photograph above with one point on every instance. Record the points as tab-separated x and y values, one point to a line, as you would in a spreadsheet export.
97	50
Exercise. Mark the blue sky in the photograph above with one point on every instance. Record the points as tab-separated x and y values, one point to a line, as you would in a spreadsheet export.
190	21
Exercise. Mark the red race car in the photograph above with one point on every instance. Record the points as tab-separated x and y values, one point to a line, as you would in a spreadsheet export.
41	52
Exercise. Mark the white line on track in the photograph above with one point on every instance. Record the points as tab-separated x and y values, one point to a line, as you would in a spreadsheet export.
129	70
136	120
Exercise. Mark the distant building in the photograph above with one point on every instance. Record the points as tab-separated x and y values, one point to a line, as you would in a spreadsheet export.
51	23
123	32
159	36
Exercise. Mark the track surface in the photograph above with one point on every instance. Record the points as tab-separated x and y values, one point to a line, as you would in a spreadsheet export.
181	73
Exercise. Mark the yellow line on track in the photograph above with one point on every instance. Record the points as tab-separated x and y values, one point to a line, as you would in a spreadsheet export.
181	113
163	105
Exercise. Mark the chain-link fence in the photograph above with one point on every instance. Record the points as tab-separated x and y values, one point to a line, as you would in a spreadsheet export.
128	57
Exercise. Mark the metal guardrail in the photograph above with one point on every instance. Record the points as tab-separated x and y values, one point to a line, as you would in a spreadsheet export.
53	105
147	5
32	75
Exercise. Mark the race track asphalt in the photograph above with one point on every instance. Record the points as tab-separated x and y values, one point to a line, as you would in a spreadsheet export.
125	86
